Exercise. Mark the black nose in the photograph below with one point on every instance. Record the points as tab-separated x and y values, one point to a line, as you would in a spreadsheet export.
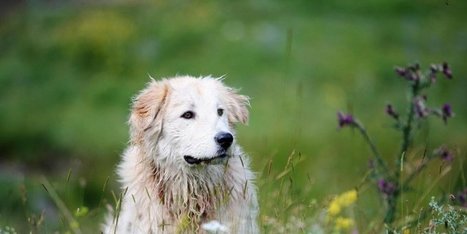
224	139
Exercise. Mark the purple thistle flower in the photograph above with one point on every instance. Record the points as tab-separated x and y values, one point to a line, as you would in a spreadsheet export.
445	154
410	73
386	187
462	200
391	112
402	72
446	112
345	119
462	197
447	70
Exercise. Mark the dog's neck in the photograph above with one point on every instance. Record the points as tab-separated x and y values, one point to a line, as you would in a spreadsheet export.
190	195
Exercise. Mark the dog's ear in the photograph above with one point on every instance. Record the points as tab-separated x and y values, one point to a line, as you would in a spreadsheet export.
237	107
147	109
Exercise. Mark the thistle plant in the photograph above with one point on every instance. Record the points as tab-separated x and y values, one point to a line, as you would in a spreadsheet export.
388	180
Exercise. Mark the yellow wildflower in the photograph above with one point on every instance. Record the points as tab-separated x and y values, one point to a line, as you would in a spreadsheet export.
342	201
344	223
347	198
334	208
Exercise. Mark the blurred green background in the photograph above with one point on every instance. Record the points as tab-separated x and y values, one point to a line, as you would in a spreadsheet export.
68	72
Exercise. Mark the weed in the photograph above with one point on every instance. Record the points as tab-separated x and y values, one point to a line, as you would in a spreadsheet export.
389	180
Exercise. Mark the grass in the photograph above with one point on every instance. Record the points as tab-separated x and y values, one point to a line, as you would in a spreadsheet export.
67	73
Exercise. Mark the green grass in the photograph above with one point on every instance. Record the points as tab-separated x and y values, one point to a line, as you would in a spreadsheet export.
67	73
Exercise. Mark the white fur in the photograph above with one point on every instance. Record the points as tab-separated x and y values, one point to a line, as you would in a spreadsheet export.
161	192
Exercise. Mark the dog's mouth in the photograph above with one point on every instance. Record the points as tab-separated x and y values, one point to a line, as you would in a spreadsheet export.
214	160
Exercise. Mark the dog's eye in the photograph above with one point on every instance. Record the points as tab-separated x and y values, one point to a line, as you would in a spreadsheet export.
220	112
188	115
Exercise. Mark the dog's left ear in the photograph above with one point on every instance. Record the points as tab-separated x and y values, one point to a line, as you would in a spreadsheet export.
237	107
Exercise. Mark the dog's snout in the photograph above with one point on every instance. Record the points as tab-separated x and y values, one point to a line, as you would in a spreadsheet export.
224	139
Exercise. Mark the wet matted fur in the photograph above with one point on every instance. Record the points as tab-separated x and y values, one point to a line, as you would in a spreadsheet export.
182	166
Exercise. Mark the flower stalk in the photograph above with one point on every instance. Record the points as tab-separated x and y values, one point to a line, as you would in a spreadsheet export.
380	162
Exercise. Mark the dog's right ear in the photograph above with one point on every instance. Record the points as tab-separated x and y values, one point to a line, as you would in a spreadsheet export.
147	109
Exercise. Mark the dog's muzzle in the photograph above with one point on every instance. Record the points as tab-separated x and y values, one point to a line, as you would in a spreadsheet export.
214	160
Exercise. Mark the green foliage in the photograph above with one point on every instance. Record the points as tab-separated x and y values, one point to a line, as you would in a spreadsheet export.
446	218
68	71
7	230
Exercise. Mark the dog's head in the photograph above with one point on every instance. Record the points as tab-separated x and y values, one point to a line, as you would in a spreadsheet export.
187	121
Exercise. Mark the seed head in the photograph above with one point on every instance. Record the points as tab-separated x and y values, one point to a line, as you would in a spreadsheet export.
420	109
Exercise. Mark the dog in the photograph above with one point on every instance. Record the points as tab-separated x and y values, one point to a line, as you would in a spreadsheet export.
183	167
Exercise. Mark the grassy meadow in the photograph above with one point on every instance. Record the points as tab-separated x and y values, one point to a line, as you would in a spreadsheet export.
68	72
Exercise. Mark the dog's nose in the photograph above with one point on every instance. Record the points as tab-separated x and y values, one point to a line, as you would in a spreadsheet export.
224	139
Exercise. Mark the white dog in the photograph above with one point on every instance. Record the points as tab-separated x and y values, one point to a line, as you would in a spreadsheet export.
182	167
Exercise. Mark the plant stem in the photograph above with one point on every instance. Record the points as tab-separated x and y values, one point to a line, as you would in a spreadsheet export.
406	141
391	212
373	148
407	128
73	224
